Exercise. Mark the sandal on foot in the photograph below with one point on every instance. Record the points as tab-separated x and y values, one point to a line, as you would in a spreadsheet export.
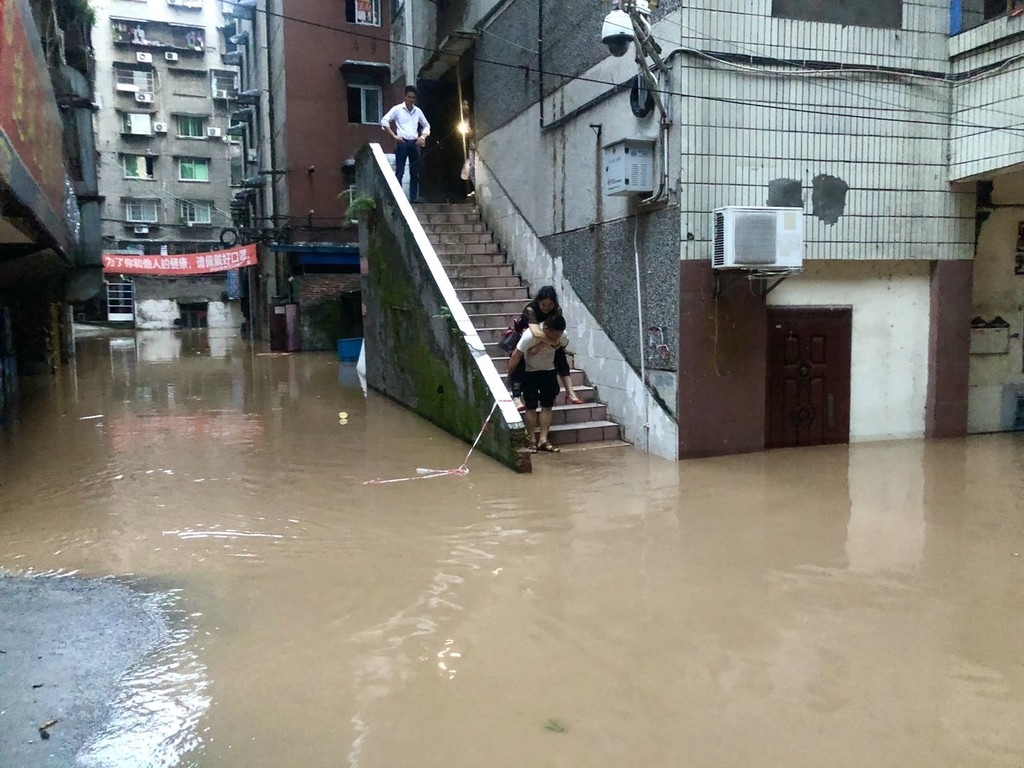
547	447
573	400
533	448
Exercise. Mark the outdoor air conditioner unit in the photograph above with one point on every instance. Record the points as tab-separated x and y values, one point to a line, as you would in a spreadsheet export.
144	58
220	93
141	229
758	238
159	127
171	56
144	97
213	133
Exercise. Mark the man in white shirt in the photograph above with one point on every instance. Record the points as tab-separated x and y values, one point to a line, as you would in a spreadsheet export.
540	383
408	126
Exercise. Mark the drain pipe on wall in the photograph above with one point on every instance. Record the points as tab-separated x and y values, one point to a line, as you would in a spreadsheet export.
540	59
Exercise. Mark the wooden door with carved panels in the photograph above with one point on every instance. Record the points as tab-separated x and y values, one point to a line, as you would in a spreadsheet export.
808	381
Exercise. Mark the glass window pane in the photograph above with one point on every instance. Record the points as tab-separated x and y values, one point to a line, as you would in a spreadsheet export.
355	104
371	111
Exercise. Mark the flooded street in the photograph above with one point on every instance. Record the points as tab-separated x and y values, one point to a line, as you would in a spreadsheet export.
853	606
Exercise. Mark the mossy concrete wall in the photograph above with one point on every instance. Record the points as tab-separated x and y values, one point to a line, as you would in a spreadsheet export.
415	352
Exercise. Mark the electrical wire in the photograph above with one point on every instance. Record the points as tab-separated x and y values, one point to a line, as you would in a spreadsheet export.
944	123
844	71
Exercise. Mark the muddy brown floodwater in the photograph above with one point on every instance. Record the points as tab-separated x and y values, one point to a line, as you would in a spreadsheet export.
846	606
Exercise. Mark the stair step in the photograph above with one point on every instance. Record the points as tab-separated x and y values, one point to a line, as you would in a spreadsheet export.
448	217
497	306
578	377
478	271
445	208
503	293
460	249
578	414
490	335
471	259
489	281
459	238
500	356
449	228
598	445
584	432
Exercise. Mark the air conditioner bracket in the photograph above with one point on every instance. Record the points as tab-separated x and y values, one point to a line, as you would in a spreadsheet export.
762	282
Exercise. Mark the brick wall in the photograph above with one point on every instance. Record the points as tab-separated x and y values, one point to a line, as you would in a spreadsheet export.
329	309
316	289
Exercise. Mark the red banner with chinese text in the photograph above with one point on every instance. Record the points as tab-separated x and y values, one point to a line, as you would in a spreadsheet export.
181	264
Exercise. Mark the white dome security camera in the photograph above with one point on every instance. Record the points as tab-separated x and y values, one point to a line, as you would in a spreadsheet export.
617	32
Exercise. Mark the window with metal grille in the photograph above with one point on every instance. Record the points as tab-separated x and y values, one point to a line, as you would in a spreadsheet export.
142	211
128	79
225	85
363	12
194	169
195	212
887	14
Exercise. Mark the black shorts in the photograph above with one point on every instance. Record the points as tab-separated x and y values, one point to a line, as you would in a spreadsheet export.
540	387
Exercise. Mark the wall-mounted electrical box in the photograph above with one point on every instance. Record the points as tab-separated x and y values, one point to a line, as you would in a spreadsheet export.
629	167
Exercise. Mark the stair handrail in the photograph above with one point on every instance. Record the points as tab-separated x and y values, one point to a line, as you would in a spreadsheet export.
509	413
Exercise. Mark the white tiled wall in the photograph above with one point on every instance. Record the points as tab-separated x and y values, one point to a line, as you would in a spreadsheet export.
885	135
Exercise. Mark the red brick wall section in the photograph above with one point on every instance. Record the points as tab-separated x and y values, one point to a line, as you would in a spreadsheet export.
316	289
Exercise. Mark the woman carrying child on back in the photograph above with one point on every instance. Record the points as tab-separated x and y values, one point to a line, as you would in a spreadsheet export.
544	305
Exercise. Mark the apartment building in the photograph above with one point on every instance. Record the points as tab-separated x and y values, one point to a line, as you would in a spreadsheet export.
166	160
315	79
892	125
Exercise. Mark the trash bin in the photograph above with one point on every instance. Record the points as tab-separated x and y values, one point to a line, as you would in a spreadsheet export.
348	349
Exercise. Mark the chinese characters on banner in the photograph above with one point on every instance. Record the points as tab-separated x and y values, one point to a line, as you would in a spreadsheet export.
183	264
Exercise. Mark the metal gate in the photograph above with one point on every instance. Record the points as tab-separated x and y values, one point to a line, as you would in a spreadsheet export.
120	301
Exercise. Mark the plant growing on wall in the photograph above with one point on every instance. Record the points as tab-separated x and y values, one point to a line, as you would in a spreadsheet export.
360	206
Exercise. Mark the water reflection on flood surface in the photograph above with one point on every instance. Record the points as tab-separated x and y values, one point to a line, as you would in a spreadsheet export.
856	606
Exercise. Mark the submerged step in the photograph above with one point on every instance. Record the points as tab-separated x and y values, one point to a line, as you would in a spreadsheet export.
585	432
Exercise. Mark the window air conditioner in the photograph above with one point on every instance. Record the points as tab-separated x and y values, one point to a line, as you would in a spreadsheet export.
213	133
159	127
171	56
144	58
141	229
144	97
758	238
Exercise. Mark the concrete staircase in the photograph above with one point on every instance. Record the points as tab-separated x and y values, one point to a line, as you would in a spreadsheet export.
493	295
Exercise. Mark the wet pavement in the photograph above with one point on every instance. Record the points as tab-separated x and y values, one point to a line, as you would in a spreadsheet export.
855	606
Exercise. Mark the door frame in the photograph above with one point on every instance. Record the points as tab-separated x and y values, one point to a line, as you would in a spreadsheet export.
800	311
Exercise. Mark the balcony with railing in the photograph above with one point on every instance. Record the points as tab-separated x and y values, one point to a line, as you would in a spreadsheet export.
157	35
